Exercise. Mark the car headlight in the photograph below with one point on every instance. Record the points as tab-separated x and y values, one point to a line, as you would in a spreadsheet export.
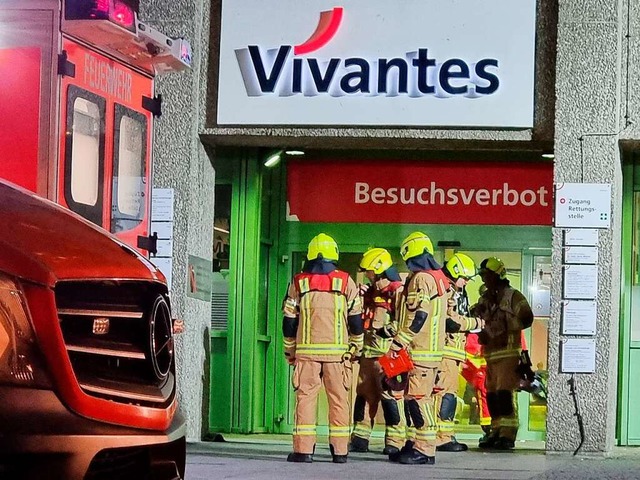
20	359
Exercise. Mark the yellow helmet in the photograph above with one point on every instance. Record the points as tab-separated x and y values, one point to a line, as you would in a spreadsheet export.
322	246
376	259
416	244
461	265
495	265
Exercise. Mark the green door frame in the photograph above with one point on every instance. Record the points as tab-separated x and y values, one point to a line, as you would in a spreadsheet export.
624	355
242	372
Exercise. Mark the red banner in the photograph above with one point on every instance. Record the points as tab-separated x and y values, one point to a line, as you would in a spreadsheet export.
434	192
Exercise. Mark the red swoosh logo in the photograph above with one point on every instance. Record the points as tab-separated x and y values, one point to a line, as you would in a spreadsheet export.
326	29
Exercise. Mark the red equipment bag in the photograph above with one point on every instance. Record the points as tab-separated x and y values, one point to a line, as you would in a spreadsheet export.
393	367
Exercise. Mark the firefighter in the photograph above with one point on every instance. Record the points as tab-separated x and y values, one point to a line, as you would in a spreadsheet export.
422	311
379	299
459	270
506	313
323	334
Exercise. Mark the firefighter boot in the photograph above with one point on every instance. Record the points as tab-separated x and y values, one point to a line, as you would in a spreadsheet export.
488	441
414	457
504	444
452	446
395	455
487	433
359	444
337	458
390	450
300	457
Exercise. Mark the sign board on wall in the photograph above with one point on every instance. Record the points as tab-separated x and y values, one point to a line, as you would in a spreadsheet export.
199	281
579	317
162	200
578	355
396	191
584	205
376	62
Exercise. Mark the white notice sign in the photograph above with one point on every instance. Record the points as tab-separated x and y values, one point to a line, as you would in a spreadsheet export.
583	205
162	204
163	229
164	248
579	317
164	265
578	355
588	255
581	236
580	282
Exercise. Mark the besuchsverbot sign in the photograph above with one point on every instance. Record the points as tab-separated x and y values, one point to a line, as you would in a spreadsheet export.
374	62
438	192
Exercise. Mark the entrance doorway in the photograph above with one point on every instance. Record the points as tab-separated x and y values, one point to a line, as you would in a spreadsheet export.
528	271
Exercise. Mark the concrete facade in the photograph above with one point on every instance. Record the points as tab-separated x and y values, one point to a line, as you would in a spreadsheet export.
590	80
587	71
181	163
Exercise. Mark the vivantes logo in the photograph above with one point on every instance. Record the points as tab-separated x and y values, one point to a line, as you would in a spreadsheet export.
277	71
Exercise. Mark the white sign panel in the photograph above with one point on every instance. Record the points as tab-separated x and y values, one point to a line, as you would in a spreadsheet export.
580	281
579	317
578	356
163	229
164	265
162	204
586	205
587	255
376	62
164	248
581	236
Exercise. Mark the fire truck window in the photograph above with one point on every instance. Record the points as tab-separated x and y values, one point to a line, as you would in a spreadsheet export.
84	153
129	169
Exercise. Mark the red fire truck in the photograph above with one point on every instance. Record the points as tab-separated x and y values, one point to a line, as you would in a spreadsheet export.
77	106
87	377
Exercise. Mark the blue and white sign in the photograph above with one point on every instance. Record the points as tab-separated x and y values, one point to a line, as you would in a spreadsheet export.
377	63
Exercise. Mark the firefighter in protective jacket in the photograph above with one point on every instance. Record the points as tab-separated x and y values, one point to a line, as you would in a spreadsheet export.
379	327
422	312
506	313
459	270
323	334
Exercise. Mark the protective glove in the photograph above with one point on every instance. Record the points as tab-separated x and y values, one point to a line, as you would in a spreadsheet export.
387	331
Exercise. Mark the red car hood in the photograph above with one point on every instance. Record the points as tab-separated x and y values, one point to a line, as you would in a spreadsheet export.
43	242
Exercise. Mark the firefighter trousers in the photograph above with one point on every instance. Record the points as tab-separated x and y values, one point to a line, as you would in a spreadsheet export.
446	399
370	393
308	377
502	381
481	399
420	407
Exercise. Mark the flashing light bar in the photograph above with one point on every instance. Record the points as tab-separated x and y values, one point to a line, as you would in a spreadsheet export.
113	25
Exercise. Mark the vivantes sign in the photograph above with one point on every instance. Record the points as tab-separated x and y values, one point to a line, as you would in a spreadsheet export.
375	62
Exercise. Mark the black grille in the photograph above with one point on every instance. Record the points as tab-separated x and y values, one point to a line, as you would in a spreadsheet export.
120	463
112	338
